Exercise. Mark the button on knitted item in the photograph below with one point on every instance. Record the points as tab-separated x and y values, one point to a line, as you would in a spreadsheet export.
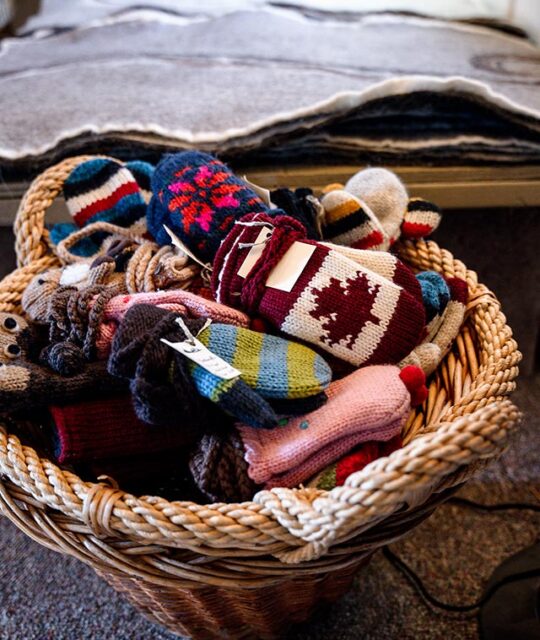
107	428
370	404
102	189
198	198
15	337
335	304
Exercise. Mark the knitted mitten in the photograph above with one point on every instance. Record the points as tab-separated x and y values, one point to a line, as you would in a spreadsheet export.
441	330
336	304
384	193
198	198
336	474
219	468
370	404
421	218
26	385
350	222
108	427
276	368
165	385
102	190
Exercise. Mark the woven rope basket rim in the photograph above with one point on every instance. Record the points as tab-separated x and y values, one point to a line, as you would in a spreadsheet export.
446	441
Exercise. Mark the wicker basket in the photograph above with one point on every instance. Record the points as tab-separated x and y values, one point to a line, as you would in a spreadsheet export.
251	569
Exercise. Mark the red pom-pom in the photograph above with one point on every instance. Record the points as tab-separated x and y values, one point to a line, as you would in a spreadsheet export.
415	380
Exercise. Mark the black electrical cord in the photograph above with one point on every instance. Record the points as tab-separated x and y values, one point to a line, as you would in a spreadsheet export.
502	506
414	579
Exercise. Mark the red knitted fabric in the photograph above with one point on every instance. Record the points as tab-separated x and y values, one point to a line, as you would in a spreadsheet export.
363	455
336	304
109	428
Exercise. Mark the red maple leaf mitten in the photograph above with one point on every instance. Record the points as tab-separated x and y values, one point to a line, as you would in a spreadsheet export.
314	293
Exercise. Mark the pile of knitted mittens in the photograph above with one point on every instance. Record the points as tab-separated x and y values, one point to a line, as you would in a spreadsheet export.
291	352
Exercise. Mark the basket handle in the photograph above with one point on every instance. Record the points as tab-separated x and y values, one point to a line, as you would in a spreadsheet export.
32	245
31	236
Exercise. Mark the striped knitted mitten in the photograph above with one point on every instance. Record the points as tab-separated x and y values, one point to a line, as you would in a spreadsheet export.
103	190
26	386
420	220
336	474
385	195
276	368
165	385
334	303
198	198
370	404
350	222
109	428
442	329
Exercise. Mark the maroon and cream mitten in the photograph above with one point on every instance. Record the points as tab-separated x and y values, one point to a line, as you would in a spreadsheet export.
383	263
314	293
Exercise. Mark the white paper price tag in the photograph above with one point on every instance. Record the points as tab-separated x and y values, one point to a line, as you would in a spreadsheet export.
255	252
287	271
198	353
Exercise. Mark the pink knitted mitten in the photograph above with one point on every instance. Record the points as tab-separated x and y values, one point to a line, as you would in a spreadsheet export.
370	404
